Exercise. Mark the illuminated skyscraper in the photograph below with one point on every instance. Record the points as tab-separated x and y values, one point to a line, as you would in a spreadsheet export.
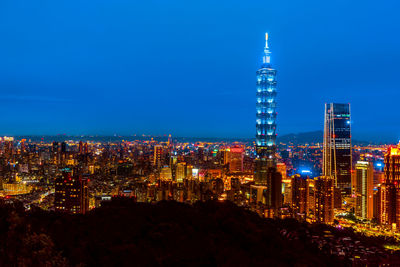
300	195
234	157
84	194
266	115
390	195
337	145
71	193
55	151
180	172
265	165
169	144
80	147
324	190
364	189
281	167
286	183
158	155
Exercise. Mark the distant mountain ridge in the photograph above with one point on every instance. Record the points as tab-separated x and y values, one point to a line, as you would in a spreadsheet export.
302	138
313	138
295	138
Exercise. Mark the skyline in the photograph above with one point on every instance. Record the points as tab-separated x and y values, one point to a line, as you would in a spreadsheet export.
217	133
130	68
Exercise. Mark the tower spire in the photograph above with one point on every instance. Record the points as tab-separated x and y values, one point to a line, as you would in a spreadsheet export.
267	53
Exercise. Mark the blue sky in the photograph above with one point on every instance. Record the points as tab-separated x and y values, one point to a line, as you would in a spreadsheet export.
188	67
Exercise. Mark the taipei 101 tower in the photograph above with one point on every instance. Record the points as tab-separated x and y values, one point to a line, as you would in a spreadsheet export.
265	174
266	110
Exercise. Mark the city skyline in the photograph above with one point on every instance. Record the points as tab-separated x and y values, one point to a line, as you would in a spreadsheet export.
127	136
111	72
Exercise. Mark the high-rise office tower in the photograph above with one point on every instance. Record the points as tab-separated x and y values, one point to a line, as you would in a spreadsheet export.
337	145
86	148
8	146
377	203
189	172
63	154
180	172
64	147
80	147
84	194
300	195
379	177
286	183
170	144
265	173
71	193
324	190
364	189
55	151
234	157
311	198
23	147
158	156
281	167
390	190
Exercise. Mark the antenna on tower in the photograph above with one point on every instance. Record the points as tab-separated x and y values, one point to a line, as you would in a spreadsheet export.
266	57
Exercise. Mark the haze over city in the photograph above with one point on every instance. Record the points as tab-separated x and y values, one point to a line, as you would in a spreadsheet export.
160	67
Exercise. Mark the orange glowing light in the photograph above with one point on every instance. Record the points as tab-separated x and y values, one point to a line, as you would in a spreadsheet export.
394	151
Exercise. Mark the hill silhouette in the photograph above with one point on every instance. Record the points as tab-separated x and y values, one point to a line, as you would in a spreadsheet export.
125	233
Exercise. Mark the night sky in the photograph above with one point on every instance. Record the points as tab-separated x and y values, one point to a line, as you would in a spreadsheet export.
188	67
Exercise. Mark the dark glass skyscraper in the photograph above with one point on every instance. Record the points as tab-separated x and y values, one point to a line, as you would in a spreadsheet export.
265	174
337	145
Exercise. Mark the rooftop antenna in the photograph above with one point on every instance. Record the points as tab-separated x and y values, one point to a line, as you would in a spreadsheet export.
266	57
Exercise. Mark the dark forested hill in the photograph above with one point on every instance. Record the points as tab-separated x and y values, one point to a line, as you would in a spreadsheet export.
126	233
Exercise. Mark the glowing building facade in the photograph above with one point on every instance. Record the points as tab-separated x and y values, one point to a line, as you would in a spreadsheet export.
158	156
364	185
180	172
166	174
71	193
390	195
266	111
324	198
300	196
234	158
265	174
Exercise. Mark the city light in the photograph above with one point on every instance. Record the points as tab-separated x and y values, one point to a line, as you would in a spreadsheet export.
196	200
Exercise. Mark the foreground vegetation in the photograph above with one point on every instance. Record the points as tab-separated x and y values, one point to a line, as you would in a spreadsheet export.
123	232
